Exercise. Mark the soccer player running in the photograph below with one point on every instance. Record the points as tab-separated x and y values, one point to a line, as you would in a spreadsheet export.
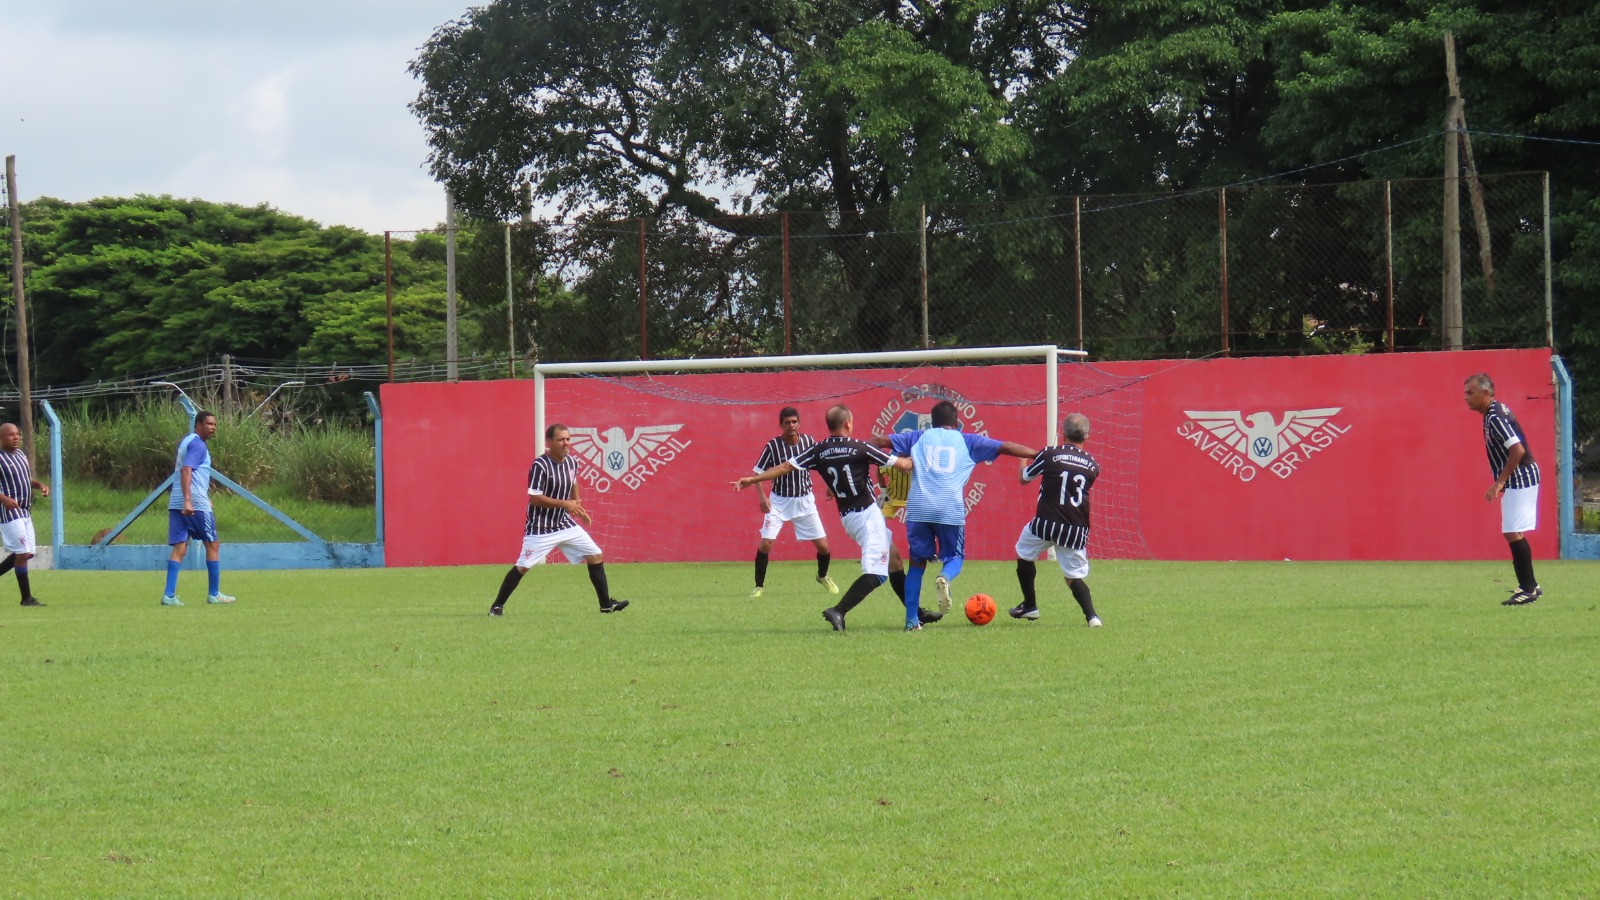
17	485
844	464
1516	482
942	457
189	515
792	501
553	504
1067	473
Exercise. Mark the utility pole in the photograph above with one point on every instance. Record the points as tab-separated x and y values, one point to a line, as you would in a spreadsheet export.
24	379
1450	315
452	368
228	397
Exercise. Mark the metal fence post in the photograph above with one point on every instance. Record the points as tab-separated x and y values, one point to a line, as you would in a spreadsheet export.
1222	223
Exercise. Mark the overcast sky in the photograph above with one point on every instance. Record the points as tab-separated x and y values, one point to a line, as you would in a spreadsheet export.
299	104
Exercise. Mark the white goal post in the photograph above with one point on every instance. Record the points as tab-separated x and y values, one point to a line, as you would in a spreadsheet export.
1049	354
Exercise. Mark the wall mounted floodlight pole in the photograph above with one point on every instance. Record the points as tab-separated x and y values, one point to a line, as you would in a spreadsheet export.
274	394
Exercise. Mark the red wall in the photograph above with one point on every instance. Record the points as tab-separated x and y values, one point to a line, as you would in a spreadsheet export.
1396	472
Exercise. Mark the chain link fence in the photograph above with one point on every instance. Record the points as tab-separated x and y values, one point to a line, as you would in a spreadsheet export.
1339	268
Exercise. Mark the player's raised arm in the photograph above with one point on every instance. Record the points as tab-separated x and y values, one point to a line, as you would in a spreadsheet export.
777	471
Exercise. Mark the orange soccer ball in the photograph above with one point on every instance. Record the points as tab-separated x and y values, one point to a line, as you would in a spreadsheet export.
980	609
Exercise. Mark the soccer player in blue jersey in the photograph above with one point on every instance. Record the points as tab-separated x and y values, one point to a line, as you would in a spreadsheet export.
189	515
17	485
943	457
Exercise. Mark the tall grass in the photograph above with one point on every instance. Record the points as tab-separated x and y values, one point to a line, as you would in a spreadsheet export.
133	448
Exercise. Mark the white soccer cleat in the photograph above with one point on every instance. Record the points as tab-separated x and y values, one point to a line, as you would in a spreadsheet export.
1094	621
220	598
945	602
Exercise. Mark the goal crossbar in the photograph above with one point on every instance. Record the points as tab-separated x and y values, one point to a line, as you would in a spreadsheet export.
1049	354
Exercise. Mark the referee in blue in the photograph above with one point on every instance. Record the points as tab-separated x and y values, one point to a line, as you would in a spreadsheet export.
1516	482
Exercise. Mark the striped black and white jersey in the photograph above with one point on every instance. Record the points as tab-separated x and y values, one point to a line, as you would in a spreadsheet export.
1501	432
556	480
778	450
16	482
845	465
1066	474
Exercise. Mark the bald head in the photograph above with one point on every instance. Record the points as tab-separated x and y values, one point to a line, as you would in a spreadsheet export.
10	436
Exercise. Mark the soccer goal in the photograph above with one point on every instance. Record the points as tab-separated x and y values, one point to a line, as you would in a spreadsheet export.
659	441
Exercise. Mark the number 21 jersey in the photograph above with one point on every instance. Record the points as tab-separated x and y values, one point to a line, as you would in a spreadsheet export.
843	463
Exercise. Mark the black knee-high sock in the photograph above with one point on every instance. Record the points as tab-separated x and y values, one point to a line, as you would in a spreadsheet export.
507	585
1080	593
597	577
7	563
858	592
822	564
897	582
22	582
761	568
1522	562
1025	573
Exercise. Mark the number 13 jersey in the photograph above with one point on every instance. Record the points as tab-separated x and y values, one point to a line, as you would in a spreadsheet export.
1067	474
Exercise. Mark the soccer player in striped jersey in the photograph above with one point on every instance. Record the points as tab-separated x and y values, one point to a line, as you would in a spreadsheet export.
1516	482
189	515
936	509
845	465
792	501
17	485
1061	519
554	506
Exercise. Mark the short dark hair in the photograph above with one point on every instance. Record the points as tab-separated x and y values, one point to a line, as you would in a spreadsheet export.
787	412
202	415
944	414
838	415
1481	381
550	431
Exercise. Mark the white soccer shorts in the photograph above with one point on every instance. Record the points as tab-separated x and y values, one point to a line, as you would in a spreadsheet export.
573	542
802	511
1074	563
867	528
1519	509
17	535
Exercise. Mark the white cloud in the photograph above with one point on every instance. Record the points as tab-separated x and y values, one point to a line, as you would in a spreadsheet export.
225	102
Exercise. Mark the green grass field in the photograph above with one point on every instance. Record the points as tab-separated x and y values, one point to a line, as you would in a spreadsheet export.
1235	729
92	507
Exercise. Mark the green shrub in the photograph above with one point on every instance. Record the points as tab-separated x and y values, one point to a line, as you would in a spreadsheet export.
135	447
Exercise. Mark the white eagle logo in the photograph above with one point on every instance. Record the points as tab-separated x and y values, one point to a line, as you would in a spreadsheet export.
616	452
1260	436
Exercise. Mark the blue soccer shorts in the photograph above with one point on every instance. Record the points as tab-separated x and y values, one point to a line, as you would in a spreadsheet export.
199	526
929	541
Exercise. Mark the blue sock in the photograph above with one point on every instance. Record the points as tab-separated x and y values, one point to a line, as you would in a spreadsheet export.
213	577
951	569
172	577
913	594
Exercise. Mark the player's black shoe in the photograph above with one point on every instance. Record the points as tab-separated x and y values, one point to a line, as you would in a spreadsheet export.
32	601
928	616
613	605
1024	611
834	617
497	610
1523	596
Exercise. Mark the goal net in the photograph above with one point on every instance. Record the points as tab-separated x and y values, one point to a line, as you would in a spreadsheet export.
659	443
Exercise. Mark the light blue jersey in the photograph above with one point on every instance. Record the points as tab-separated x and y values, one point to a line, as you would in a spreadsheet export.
944	458
192	452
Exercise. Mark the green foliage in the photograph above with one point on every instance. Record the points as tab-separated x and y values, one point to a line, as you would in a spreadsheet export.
126	286
133	449
1235	730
